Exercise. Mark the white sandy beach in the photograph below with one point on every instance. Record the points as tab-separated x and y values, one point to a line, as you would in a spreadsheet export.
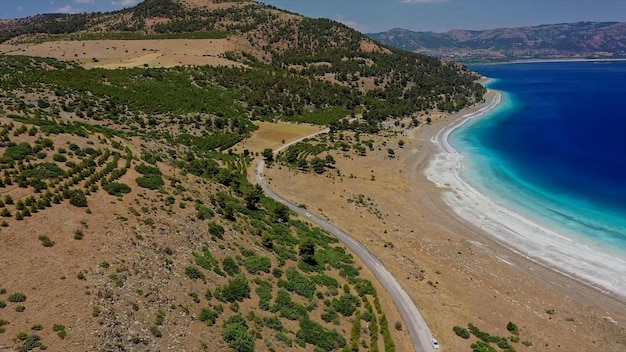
605	271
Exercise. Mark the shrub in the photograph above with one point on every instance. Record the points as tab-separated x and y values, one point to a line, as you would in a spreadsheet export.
194	273
256	264
461	331
298	283
236	334
236	290
317	335
60	330
512	328
346	304
17	152
59	158
208	315
216	230
78	198
150	181
273	322
280	336
154	330
17	297
230	266
147	170
116	188
46	241
204	213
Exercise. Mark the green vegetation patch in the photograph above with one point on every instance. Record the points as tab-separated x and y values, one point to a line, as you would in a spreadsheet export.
236	334
116	188
315	334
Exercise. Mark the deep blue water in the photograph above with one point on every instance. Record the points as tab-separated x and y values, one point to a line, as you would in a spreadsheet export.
555	149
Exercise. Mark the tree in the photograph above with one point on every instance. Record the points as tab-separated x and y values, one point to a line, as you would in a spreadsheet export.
268	155
318	165
253	196
303	164
281	212
77	198
401	143
330	161
307	251
429	120
267	240
391	153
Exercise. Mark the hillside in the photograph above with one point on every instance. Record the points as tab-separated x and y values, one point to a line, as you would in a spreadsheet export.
581	40
127	221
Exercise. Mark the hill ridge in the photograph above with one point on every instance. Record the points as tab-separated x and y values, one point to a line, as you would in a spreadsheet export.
584	39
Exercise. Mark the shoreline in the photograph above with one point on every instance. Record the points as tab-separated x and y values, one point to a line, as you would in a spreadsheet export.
522	235
454	271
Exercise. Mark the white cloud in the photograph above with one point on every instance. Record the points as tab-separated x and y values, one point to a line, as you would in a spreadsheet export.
67	9
84	1
124	2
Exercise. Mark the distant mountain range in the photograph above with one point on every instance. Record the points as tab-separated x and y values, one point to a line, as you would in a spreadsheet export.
553	41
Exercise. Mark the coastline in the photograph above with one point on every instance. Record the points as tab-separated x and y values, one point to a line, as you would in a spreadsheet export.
521	234
454	271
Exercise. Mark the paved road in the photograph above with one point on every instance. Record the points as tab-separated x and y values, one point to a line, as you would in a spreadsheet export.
413	320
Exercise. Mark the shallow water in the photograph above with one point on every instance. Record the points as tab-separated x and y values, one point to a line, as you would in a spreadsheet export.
550	163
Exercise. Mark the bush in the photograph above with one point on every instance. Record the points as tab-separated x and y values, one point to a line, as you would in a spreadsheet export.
59	158
17	152
194	273
78	198
256	264
236	334
236	290
216	230
462	332
512	328
230	266
317	335
280	336
346	304
147	170
150	181
208	315
60	330
298	283
17	297
204	213
46	241
116	188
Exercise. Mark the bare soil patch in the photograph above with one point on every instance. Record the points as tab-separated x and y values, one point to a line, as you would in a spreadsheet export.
113	54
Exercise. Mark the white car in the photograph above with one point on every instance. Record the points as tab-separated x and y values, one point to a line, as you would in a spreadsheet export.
435	343
308	215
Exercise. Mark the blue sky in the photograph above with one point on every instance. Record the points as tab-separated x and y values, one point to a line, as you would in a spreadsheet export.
381	15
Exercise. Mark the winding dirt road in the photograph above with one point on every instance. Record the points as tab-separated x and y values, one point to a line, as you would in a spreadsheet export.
413	320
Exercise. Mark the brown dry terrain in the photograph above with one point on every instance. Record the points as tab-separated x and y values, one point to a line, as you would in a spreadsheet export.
113	54
455	273
110	285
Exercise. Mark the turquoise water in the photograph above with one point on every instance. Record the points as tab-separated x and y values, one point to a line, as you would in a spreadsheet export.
554	151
